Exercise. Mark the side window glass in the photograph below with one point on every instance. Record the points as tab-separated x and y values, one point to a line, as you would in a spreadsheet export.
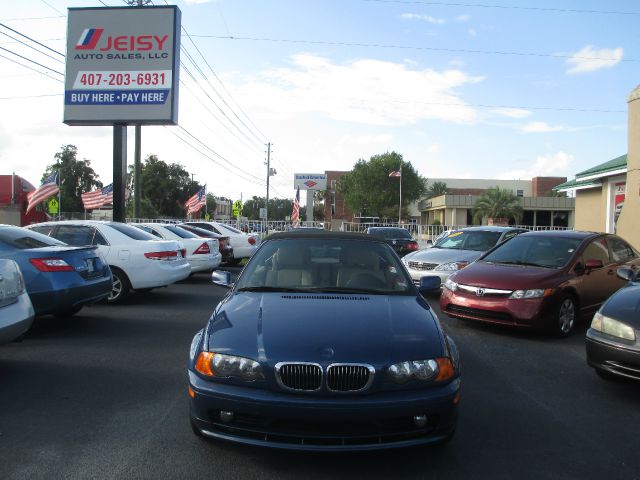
98	239
597	250
154	233
45	230
620	250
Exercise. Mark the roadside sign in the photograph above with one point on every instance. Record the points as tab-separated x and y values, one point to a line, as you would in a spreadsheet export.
122	66
207	216
53	205
237	206
310	181
263	213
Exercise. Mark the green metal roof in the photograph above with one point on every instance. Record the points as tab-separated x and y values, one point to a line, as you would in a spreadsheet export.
603	168
573	184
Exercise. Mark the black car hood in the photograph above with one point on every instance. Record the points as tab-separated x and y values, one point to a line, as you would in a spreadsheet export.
624	305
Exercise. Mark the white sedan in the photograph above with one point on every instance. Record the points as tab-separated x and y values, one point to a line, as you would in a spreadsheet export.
138	260
203	254
244	245
16	311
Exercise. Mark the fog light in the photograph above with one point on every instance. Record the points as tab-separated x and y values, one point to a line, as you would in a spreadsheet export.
420	420
226	416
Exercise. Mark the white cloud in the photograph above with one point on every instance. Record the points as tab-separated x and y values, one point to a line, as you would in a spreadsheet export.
424	18
555	164
472	32
463	18
512	112
363	91
542	127
589	60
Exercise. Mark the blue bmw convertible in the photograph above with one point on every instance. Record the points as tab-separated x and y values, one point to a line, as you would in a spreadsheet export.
324	343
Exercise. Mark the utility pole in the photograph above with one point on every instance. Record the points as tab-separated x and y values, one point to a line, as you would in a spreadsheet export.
266	219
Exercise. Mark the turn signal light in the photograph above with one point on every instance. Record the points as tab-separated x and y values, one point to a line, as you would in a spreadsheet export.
412	246
203	364
445	370
51	264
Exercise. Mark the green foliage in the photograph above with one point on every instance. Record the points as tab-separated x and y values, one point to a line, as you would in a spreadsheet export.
498	203
279	208
165	186
211	203
436	222
77	177
436	189
369	190
147	210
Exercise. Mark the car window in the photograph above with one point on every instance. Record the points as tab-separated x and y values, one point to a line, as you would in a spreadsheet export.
130	231
621	251
78	235
597	250
230	228
206	226
43	229
326	264
477	240
534	250
98	239
181	232
23	239
511	234
390	233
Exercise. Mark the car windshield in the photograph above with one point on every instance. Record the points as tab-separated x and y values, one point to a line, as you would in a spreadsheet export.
477	240
327	265
390	233
24	239
131	232
535	251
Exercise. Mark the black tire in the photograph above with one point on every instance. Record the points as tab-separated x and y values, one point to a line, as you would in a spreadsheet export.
67	312
565	316
120	288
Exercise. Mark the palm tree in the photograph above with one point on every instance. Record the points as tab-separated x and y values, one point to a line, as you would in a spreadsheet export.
497	203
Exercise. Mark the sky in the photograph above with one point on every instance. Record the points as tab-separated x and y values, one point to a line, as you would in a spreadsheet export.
493	89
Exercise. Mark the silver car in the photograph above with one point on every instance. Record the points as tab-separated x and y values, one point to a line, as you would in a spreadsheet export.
455	251
16	311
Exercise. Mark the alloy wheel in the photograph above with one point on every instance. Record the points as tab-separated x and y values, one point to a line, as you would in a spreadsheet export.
566	316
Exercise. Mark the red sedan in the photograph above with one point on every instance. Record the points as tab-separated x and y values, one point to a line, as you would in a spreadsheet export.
539	279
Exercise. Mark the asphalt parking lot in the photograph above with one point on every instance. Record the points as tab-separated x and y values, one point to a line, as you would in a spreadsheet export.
103	395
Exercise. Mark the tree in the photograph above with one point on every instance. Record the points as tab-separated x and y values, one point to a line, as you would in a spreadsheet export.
166	186
368	189
211	203
76	177
498	203
436	189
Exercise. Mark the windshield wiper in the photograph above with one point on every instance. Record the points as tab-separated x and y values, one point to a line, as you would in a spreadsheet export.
524	264
265	288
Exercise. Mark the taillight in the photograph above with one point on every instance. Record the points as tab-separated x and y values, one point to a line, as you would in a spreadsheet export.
252	241
51	264
183	251
203	249
171	255
412	246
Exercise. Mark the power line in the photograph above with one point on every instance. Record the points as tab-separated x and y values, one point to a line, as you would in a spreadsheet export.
405	47
32	96
506	7
52	7
32	61
32	40
31	68
32	47
21	19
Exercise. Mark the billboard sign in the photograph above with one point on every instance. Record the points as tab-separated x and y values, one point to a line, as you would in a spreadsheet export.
310	181
122	66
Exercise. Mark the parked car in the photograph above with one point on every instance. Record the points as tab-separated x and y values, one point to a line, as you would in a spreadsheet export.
138	260
539	279
613	341
455	251
323	343
224	244
59	278
399	238
202	255
16	311
244	245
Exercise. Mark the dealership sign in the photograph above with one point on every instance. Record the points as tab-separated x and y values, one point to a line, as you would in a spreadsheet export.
310	181
122	66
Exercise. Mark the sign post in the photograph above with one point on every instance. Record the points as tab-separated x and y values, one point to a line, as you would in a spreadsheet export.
122	69
310	182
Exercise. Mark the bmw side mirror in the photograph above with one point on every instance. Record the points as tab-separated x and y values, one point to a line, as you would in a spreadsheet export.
626	273
429	285
222	278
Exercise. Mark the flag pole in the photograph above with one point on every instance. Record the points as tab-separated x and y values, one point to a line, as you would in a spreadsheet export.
59	192
400	205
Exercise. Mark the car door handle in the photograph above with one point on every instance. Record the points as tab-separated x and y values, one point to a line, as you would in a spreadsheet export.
611	272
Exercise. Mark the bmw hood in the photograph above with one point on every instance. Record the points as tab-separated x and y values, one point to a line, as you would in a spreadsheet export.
443	255
276	327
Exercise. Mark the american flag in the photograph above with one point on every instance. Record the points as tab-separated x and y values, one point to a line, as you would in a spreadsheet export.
395	173
48	189
97	198
197	201
295	214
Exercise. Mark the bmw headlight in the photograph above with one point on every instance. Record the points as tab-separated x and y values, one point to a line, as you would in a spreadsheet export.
534	293
437	369
615	328
220	365
450	285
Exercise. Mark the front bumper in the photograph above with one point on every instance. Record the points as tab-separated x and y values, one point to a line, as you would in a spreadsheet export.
613	356
534	312
324	423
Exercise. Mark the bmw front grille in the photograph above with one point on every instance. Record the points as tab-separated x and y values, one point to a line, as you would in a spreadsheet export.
299	376
308	377
349	377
